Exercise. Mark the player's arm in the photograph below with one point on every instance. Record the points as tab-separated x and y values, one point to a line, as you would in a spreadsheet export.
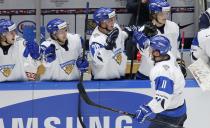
196	51
48	52
164	87
100	55
82	62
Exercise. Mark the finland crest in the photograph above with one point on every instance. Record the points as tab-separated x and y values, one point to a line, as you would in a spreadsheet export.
68	66
118	56
6	70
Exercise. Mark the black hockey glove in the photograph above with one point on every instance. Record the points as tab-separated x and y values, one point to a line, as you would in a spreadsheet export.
111	39
150	30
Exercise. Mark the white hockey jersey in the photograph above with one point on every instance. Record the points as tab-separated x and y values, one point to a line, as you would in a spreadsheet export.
201	45
107	64
168	82
171	31
14	66
64	66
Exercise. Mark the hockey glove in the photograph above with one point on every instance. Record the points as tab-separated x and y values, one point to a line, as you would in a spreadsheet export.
140	39
49	53
150	30
111	39
31	47
131	29
142	113
82	64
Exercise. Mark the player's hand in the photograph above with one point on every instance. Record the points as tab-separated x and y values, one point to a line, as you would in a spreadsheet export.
150	30
130	29
182	66
142	113
140	39
32	49
82	64
49	53
111	39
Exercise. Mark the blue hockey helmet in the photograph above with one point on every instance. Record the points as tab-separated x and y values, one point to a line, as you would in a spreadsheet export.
160	43
6	26
156	6
55	25
103	14
204	20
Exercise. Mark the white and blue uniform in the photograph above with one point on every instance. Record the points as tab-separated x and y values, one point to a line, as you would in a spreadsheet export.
201	45
64	66
171	31
107	64
168	82
14	66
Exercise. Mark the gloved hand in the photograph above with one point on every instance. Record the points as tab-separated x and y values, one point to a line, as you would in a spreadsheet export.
131	29
49	53
82	64
142	113
150	30
140	39
31	48
111	39
182	66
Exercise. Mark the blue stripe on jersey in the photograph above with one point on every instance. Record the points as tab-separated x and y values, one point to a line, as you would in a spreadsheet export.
195	41
177	112
164	84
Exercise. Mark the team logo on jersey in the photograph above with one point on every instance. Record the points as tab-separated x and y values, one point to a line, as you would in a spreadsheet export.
166	67
118	56
68	66
6	70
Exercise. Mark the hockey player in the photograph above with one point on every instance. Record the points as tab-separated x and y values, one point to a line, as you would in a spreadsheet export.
107	46
14	66
168	81
62	53
159	12
200	46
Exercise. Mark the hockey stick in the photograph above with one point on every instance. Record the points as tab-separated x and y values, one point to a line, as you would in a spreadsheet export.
83	57
182	46
133	47
86	98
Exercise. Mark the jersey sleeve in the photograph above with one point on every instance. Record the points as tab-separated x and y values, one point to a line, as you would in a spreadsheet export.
164	87
176	43
100	55
197	51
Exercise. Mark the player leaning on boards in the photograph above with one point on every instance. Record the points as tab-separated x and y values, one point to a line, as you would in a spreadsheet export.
107	46
62	53
159	11
200	47
14	66
168	81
